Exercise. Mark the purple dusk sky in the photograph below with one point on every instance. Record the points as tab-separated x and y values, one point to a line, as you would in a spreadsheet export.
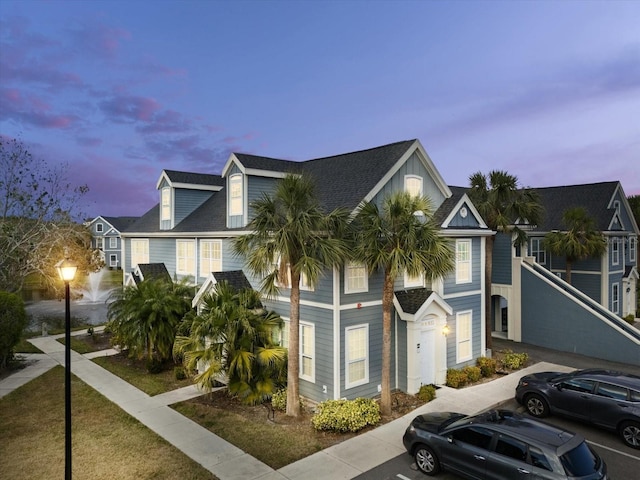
548	91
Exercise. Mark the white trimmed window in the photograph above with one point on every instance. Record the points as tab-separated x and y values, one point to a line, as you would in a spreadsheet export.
413	185
413	282
633	246
615	251
355	278
538	251
307	352
210	257
463	336
166	204
113	260
99	227
284	334
186	257
99	243
615	298
235	194
113	242
139	251
463	261
356	355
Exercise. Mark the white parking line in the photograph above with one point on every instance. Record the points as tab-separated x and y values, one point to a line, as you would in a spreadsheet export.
402	477
614	450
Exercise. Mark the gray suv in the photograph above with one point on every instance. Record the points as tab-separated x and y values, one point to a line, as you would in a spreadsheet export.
603	398
500	445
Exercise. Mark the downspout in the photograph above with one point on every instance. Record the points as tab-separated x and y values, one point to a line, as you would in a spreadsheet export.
336	333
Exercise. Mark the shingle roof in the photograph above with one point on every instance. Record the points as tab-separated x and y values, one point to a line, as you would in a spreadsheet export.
235	278
445	208
411	300
121	223
194	178
211	216
345	180
256	162
152	271
593	197
147	223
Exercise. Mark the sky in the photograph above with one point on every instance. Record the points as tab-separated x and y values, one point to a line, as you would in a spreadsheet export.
117	91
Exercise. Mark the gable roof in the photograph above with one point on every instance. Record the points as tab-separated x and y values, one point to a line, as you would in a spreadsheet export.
191	180
235	278
146	271
594	198
120	223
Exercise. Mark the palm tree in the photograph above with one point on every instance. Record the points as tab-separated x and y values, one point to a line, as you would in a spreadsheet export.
395	240
501	204
144	318
292	236
233	336
580	241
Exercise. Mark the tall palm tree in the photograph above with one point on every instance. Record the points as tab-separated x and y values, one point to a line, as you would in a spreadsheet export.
397	239
144	318
501	204
233	336
580	241
292	236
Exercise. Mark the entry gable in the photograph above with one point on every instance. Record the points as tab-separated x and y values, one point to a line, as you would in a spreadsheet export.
463	215
235	278
419	302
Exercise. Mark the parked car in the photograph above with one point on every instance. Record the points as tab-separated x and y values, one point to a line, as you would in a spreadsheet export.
499	445
603	398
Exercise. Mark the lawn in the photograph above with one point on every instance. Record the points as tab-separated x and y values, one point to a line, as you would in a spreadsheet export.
107	442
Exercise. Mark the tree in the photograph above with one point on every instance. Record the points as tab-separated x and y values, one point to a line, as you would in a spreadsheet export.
13	320
581	239
397	239
501	204
634	203
233	335
292	236
144	318
37	207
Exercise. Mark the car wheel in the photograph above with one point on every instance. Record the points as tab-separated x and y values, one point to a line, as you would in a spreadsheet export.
630	433
536	405
426	460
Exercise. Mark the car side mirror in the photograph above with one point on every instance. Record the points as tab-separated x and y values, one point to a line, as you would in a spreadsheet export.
558	386
450	439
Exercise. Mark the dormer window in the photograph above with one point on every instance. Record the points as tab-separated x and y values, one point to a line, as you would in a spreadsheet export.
166	204
235	194
413	185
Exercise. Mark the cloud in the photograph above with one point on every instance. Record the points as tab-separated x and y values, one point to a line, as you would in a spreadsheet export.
129	108
96	39
168	121
32	110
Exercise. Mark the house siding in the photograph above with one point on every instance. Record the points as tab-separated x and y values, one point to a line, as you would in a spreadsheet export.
450	285
186	201
501	271
474	304
561	324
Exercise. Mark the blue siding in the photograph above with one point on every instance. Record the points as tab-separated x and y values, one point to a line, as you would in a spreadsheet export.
469	221
501	271
450	285
460	304
186	201
257	186
413	166
562	324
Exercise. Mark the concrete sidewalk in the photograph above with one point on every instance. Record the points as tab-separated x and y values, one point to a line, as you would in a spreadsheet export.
342	461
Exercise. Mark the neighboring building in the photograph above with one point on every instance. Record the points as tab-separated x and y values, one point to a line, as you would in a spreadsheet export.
105	237
192	228
532	306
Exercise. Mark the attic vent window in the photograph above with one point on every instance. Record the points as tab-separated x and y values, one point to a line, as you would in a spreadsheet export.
463	212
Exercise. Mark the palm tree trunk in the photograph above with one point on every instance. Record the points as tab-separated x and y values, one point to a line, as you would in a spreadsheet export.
293	368
387	305
488	273
569	266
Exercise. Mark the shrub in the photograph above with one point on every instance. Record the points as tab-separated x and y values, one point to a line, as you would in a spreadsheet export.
13	320
473	373
426	393
487	366
180	373
279	399
456	378
153	365
346	415
514	361
630	319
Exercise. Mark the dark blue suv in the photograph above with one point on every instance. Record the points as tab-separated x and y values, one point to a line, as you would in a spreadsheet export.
603	398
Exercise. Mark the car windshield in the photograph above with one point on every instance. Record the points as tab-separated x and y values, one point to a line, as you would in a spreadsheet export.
580	461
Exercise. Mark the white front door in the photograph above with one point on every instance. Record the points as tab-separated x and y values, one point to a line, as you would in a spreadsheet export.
427	357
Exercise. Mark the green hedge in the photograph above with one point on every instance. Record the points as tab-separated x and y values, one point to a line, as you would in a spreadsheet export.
346	415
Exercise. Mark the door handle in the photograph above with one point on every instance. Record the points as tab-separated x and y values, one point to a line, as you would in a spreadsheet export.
522	470
479	457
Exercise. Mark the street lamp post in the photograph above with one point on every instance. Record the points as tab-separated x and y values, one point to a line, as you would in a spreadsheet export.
67	270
